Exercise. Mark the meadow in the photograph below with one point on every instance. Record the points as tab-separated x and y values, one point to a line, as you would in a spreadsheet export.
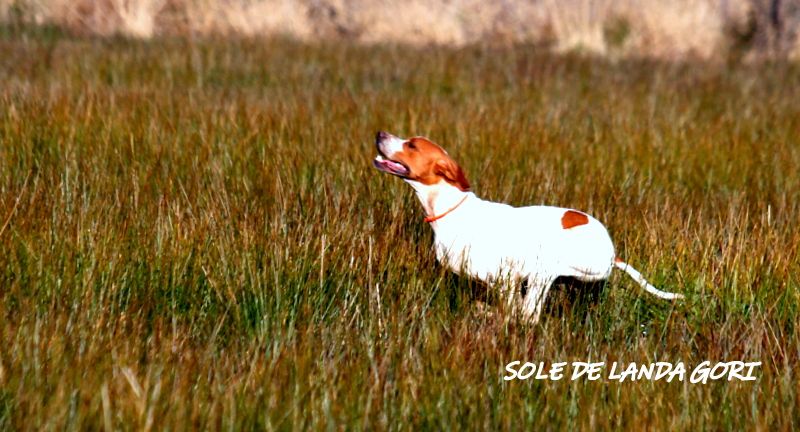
192	236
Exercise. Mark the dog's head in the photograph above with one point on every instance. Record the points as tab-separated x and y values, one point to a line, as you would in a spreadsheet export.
417	159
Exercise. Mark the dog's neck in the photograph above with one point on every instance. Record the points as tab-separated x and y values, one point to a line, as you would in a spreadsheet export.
439	198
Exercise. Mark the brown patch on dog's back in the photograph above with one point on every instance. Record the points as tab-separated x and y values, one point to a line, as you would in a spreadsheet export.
573	218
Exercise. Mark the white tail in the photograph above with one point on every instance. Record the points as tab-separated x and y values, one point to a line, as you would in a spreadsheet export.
643	282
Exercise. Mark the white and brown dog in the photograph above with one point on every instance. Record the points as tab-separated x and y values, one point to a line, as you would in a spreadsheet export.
495	242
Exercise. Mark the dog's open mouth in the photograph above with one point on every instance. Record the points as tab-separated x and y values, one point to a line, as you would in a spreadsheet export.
390	166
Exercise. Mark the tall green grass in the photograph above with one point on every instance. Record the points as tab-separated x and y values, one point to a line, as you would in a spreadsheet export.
196	238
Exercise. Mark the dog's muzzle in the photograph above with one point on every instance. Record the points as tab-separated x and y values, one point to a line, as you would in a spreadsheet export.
385	163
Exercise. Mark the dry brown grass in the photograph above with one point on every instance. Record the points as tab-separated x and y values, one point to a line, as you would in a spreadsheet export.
198	241
666	29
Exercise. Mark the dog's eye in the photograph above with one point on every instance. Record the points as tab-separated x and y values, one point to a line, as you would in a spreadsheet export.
411	145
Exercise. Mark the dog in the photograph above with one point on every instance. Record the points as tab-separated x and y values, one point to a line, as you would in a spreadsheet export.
497	243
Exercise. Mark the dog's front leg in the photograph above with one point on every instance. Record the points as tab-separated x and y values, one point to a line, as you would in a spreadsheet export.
532	304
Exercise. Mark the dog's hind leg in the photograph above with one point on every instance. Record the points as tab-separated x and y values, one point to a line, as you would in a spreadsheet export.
532	304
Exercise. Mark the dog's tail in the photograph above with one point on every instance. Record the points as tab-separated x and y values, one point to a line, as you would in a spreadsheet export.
622	265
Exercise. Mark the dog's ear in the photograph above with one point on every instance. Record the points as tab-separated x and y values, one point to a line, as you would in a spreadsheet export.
452	173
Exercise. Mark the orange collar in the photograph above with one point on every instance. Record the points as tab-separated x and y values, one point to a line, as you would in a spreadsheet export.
434	218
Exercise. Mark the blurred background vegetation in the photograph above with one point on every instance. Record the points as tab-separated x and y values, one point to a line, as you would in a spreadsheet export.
665	29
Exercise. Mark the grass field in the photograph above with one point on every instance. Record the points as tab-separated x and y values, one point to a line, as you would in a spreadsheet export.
192	236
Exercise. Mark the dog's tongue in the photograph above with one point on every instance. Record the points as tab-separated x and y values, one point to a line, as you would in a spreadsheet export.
390	166
394	165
